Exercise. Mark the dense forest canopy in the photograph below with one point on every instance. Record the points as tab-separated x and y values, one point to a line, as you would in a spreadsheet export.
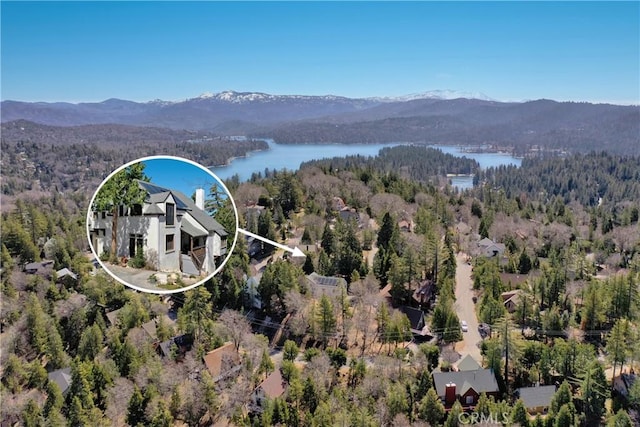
41	159
416	163
591	179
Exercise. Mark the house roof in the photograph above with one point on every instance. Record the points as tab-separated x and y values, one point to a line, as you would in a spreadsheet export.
153	209
509	294
317	279
191	229
468	363
158	194
151	326
221	361
424	290
64	272
181	340
481	380
112	316
404	224
201	216
535	397
62	377
325	285
486	242
466	386
274	385
33	266
416	316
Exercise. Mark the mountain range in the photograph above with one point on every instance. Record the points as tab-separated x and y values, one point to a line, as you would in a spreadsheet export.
435	117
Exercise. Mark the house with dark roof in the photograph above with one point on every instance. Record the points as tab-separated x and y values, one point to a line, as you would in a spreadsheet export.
177	346
62	377
622	383
465	386
536	399
43	268
175	233
416	318
424	292
325	285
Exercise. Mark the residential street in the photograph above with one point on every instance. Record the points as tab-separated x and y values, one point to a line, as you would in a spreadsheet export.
465	308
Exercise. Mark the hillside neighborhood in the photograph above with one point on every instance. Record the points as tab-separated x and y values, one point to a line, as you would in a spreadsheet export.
423	304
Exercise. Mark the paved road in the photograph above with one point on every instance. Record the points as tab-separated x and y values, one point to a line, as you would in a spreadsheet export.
465	308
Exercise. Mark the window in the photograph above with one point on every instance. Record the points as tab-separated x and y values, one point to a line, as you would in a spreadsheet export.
469	400
136	209
136	244
122	211
169	242
171	213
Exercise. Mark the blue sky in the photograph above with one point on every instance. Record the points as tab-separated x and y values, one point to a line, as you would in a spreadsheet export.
583	51
180	175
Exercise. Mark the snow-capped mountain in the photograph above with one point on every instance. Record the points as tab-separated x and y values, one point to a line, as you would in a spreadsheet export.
444	94
445	114
246	97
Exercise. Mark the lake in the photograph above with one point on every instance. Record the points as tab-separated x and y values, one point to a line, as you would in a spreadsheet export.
290	156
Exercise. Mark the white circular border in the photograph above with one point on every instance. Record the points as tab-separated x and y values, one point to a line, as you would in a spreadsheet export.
163	291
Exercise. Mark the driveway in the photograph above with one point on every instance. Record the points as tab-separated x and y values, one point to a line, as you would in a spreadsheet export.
140	277
465	308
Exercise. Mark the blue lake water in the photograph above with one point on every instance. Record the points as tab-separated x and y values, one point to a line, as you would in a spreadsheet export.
290	156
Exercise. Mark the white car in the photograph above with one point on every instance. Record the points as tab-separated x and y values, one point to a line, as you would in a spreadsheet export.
464	326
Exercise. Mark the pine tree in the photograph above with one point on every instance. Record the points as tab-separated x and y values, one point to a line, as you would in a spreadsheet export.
136	409
90	343
329	242
195	315
308	267
310	395
31	414
594	392
266	364
453	419
561	397
620	419
326	319
618	344
431	408
519	415
389	233
290	351
565	416
55	400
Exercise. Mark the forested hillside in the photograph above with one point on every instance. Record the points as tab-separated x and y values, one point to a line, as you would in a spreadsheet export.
594	179
393	241
42	159
412	162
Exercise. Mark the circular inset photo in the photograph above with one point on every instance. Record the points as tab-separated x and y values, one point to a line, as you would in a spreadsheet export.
162	224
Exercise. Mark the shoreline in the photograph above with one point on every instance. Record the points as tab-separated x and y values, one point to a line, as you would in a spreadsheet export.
231	159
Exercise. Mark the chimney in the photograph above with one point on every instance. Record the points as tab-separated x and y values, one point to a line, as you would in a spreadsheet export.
200	198
450	393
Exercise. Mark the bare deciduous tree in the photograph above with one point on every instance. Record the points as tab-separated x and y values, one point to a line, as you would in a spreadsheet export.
235	326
